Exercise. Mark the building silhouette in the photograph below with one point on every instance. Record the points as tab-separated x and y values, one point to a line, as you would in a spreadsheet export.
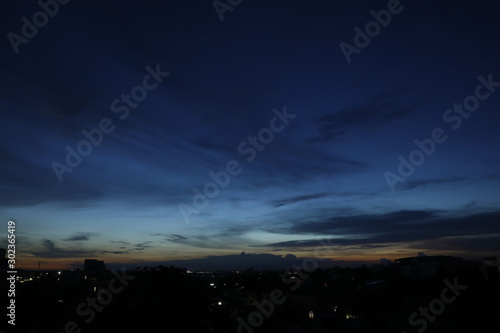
94	266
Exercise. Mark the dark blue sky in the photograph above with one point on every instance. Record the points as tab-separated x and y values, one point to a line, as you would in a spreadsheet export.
177	94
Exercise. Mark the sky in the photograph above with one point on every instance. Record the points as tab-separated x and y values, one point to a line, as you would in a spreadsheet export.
145	132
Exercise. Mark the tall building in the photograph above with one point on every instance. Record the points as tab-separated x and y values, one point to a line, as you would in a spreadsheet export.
94	266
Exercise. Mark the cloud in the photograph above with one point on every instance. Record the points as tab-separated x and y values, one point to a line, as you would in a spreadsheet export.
362	224
49	245
50	250
143	244
114	252
80	236
120	242
437	230
409	185
485	244
373	114
171	237
292	200
175	238
228	238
